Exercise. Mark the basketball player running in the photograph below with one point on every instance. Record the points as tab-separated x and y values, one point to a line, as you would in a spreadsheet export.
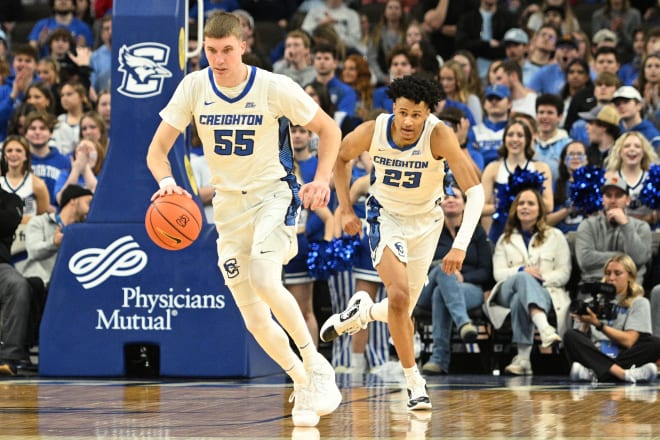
241	114
408	149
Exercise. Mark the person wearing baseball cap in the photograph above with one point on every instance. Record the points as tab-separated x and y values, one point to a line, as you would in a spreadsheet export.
44	233
516	42
488	135
516	36
604	37
611	231
602	130
629	104
620	17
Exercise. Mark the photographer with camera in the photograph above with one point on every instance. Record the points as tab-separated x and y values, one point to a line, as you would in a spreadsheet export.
611	348
612	231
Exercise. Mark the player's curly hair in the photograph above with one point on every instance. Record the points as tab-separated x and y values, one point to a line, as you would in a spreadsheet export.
417	89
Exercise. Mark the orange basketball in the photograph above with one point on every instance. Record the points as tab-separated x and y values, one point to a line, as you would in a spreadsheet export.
173	221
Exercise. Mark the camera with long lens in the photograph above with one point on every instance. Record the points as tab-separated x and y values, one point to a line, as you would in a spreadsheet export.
599	297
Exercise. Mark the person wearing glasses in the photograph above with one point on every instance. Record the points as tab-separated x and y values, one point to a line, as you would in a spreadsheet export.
567	217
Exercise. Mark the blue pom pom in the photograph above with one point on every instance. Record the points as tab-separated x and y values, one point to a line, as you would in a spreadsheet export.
343	251
506	192
585	190
329	257
319	260
650	193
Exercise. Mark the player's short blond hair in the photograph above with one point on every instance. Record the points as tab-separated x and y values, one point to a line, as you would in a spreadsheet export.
222	24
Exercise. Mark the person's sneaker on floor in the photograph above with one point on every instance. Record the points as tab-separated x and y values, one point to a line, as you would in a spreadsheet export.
353	319
303	413
7	368
433	368
580	373
468	332
418	397
519	367
549	337
645	373
326	396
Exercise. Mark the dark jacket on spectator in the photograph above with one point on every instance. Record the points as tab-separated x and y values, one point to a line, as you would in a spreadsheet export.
478	263
468	33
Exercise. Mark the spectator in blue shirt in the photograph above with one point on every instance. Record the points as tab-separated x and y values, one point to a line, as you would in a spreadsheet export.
12	92
550	140
402	62
341	94
63	16
47	162
628	103
102	58
552	77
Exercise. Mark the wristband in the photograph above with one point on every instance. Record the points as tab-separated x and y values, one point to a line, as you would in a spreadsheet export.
166	181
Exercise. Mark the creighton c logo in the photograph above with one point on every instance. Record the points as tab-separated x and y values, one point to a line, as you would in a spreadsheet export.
122	258
143	65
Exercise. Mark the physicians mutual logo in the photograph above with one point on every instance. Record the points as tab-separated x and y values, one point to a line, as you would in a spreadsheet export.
144	69
121	258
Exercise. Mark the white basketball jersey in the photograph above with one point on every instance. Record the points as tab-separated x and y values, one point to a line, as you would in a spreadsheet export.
244	130
408	180
25	191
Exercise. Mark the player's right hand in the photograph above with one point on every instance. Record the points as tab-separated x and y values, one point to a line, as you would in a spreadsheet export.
169	189
350	223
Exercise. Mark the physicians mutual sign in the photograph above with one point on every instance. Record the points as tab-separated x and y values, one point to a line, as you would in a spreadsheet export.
112	287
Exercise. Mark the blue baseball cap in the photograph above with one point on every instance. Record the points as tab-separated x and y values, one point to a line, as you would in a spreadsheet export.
498	90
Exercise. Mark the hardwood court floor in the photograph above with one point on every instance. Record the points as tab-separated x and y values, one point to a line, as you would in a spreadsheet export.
465	407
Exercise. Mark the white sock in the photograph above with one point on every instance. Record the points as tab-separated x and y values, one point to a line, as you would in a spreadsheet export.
297	373
358	361
379	311
524	351
412	374
540	320
308	352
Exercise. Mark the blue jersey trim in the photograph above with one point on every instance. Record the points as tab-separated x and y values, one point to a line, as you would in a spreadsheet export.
391	141
373	214
286	159
251	75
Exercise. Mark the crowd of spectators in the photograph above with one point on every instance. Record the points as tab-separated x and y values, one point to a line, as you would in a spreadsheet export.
535	92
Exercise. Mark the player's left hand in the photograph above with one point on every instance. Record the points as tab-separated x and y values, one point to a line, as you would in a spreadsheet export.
314	195
453	261
170	189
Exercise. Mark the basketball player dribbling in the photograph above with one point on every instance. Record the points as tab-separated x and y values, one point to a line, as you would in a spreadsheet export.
408	149
242	115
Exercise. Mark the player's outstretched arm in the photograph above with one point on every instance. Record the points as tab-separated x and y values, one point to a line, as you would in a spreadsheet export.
159	164
444	144
316	194
352	146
